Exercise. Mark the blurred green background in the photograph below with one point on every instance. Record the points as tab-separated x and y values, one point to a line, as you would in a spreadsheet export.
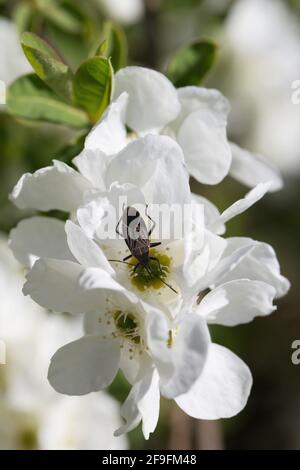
258	59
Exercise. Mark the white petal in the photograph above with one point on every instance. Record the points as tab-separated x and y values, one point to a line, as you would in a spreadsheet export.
237	302
53	284
65	286
39	237
193	98
260	264
83	366
249	200
90	215
189	353
149	407
130	366
252	169
226	264
158	329
223	388
142	404
203	139
211	214
53	187
195	266
95	281
109	134
103	210
92	164
199	261
178	354
196	254
96	323
216	245
153	101
85	250
201	132
155	165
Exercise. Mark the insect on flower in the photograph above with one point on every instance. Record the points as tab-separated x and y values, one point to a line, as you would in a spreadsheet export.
137	239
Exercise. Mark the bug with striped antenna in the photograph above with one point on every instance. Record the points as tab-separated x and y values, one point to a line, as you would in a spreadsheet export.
137	239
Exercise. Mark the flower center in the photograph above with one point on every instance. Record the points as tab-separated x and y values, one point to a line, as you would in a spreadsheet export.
153	274
127	325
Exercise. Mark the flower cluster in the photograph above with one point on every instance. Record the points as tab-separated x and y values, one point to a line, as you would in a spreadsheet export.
149	315
32	415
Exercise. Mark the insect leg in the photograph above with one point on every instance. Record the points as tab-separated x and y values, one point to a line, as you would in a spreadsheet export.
152	245
168	285
135	267
158	262
120	261
127	257
148	271
161	272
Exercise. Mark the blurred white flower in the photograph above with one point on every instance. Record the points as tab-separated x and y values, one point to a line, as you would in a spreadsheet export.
126	12
84	423
13	62
262	40
29	407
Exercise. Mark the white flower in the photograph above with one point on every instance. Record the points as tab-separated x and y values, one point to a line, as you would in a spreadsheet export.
197	119
30	410
126	12
120	328
13	63
150	324
151	344
261	39
98	415
68	252
138	338
224	384
153	163
90	285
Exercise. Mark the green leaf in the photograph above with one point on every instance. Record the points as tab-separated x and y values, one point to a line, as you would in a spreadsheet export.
33	41
59	16
191	63
102	48
29	98
22	15
114	45
48	65
93	86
